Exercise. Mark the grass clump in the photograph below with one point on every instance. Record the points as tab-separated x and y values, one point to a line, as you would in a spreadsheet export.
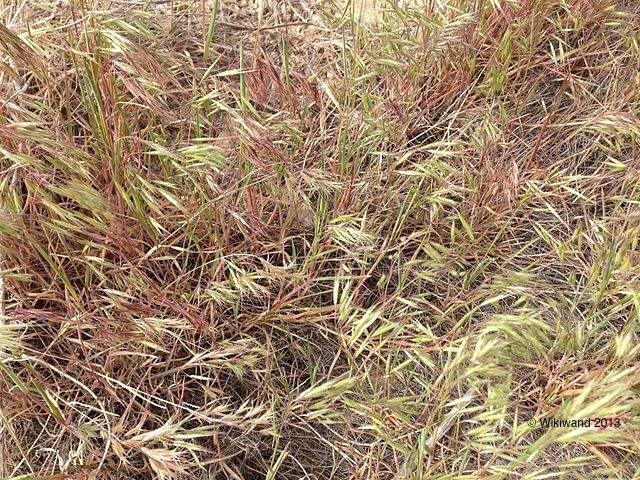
317	240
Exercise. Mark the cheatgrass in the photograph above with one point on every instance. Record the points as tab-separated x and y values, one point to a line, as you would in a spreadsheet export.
319	240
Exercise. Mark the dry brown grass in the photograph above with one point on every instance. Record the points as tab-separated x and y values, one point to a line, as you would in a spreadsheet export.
310	240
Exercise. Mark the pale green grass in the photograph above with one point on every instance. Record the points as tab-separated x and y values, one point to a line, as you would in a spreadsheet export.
295	244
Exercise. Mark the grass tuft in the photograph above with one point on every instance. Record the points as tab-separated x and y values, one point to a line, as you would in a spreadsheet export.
321	240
